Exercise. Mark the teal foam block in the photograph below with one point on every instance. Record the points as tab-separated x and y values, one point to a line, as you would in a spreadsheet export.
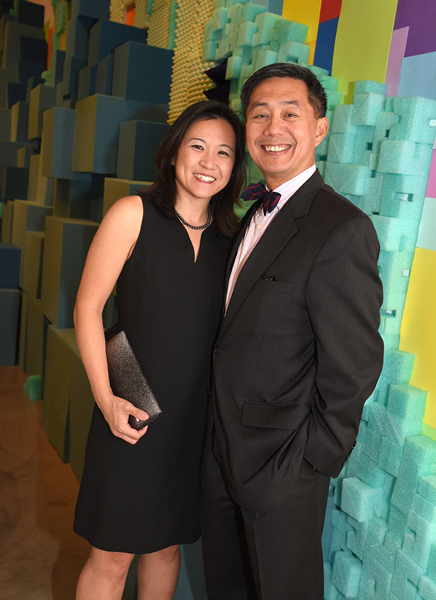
293	52
390	456
367	108
432	563
58	133
358	499
57	66
339	521
427	490
330	591
78	32
142	73
407	401
356	536
9	316
33	388
19	122
79	198
341	147
96	130
70	80
363	148
348	179
382	130
395	235
397	523
375	581
382	544
367	86
370	201
105	67
392	426
15	92
66	245
371	444
346	573
10	259
31	279
97	9
427	588
405	158
398	366
42	98
394	270
61	344
417	120
353	459
9	151
403	197
390	326
406	576
28	216
23	156
327	529
108	35
14	182
87	81
138	144
338	542
5	124
418	541
29	13
12	41
419	459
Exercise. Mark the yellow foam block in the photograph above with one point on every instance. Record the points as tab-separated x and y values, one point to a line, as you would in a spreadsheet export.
418	328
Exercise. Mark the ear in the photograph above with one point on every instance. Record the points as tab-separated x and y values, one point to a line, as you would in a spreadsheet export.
322	127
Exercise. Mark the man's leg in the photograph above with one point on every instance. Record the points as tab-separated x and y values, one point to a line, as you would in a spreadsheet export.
285	542
226	563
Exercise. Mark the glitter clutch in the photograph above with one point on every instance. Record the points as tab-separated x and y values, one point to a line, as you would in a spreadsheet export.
128	381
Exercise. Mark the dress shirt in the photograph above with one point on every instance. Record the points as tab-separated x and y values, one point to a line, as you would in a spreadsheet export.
259	224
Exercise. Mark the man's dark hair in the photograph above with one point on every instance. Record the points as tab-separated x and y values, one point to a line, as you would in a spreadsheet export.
163	192
316	94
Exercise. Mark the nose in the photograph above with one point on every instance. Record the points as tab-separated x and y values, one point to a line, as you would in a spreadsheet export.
274	126
208	160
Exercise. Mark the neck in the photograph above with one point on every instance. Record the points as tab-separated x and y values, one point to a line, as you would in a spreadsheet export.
195	212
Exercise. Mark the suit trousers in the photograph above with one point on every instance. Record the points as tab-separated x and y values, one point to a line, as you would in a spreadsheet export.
263	555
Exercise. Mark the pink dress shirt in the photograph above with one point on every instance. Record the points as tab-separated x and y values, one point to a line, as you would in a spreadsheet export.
259	224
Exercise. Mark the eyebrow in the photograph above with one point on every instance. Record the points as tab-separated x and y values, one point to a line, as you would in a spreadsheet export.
284	103
204	142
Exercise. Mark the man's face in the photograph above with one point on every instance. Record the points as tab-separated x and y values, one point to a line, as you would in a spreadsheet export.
282	130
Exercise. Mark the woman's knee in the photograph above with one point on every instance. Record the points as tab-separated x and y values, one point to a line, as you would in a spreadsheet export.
114	565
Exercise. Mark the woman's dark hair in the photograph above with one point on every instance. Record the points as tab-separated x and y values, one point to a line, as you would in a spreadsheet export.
163	192
316	94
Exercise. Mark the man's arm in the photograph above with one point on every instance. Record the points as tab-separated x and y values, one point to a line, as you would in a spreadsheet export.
344	296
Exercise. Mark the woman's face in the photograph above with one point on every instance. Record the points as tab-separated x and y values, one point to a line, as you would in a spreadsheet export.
205	160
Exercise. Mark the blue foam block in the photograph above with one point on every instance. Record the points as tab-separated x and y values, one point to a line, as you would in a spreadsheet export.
10	260
78	33
103	84
96	9
107	35
9	318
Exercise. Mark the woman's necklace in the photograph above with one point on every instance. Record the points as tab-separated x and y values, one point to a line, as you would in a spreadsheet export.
209	218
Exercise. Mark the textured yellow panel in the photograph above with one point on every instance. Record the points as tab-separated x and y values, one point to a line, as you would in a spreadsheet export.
306	12
362	42
418	329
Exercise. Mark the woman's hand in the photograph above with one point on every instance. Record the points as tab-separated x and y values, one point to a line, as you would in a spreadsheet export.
116	411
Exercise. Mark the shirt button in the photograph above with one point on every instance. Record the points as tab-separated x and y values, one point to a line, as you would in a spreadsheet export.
217	350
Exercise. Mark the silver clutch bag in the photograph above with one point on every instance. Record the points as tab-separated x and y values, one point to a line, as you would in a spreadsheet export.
128	380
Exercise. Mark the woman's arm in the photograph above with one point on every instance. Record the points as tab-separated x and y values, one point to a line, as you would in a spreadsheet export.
111	247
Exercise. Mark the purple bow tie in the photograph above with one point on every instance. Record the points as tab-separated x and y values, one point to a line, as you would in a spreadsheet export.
257	191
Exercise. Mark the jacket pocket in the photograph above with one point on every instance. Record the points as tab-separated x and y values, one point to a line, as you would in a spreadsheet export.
273	417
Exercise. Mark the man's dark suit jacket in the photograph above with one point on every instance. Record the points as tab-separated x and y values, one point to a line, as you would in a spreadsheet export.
298	351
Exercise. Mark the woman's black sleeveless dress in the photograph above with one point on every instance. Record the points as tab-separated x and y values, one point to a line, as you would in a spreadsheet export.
145	497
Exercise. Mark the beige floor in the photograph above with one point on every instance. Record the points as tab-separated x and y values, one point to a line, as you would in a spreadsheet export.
40	556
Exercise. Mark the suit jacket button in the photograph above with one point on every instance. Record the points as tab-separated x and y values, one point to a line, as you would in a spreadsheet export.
217	350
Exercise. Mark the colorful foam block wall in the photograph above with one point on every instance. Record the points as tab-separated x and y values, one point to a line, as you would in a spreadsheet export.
88	97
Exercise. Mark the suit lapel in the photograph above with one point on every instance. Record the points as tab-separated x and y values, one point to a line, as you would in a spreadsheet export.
280	231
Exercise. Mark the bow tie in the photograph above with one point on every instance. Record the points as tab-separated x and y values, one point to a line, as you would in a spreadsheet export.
257	191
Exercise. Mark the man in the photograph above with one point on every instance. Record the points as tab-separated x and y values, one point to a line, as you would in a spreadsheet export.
297	354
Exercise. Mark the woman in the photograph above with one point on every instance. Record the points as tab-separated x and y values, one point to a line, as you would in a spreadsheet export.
167	248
